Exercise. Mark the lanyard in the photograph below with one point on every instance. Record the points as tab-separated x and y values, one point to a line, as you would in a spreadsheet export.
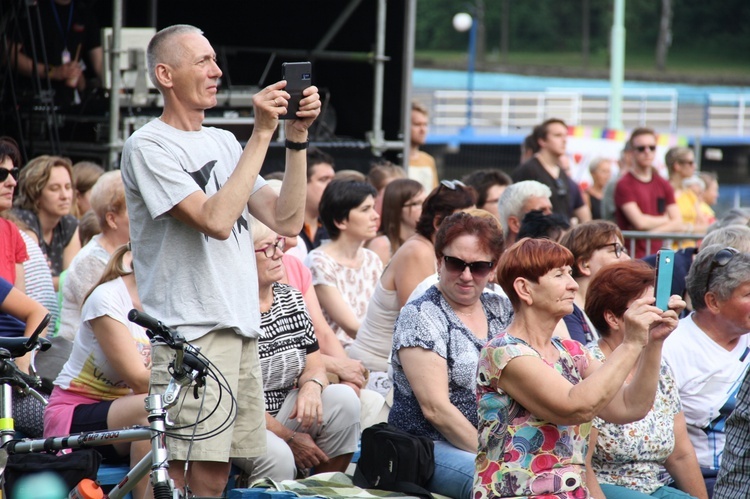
64	33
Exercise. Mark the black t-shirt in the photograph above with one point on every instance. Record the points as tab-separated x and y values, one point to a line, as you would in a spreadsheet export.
64	27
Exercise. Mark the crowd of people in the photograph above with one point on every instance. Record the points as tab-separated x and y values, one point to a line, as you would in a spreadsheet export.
501	316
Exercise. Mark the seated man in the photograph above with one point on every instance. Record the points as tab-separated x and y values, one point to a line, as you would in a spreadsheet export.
708	351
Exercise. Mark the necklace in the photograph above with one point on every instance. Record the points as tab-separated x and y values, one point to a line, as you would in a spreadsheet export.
465	314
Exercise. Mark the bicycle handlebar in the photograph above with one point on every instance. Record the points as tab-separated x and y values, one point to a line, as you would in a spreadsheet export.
187	355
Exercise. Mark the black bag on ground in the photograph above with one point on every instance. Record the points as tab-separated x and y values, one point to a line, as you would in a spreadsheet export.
72	467
392	459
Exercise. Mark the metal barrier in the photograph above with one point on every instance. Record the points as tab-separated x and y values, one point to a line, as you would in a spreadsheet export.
506	112
672	240
728	114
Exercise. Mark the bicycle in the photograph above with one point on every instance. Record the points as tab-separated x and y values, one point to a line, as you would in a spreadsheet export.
187	368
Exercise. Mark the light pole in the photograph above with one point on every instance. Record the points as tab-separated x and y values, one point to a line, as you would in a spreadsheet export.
464	22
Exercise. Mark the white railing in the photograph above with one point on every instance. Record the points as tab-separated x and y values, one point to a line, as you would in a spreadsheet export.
728	114
506	112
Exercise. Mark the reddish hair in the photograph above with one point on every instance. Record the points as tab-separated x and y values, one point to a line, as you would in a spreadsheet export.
486	230
614	287
531	259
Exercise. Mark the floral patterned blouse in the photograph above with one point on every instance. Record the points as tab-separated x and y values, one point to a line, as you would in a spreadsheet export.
632	455
356	285
521	455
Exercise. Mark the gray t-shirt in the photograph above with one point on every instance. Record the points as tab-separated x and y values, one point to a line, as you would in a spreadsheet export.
186	279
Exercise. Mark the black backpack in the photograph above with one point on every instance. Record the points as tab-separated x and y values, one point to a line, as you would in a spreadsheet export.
392	459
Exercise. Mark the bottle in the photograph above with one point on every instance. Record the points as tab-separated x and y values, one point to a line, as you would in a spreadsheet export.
86	489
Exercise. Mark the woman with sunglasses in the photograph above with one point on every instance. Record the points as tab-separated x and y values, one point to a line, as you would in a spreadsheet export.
400	211
44	204
537	394
309	422
709	352
436	343
625	461
594	245
14	249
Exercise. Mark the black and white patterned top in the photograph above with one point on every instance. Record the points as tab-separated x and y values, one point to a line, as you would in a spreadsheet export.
429	322
286	338
61	236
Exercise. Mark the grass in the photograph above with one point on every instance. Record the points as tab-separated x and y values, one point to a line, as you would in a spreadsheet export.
691	65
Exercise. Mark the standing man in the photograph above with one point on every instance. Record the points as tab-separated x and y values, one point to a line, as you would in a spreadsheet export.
421	165
644	200
190	192
551	139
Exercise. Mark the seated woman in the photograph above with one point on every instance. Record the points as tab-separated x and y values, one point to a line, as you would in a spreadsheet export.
626	460
537	394
44	204
593	244
315	425
411	264
402	207
105	381
107	200
344	273
436	345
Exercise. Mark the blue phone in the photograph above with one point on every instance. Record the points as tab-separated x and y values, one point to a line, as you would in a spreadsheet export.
664	271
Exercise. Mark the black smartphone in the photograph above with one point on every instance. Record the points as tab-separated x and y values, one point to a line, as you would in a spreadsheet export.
664	272
298	76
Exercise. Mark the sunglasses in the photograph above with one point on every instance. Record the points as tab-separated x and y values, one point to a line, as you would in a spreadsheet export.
457	266
270	250
619	248
644	148
452	184
4	172
720	259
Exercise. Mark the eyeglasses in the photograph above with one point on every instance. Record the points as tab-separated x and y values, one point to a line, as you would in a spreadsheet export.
452	184
720	259
619	248
477	269
644	148
270	250
686	161
4	172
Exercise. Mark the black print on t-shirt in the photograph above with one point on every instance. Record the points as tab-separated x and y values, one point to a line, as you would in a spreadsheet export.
202	177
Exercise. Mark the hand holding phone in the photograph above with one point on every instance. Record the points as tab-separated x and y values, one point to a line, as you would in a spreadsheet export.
664	272
298	76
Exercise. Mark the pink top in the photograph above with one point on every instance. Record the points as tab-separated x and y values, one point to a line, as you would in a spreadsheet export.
297	274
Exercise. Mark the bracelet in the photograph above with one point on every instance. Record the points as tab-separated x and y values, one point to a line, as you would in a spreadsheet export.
318	382
296	146
291	438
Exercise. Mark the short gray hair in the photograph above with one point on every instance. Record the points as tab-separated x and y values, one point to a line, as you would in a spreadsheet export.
160	49
514	197
736	236
723	280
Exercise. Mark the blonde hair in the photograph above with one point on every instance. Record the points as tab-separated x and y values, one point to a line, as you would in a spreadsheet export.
108	196
115	268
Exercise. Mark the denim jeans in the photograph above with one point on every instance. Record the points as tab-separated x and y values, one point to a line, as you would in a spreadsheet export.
454	471
615	492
